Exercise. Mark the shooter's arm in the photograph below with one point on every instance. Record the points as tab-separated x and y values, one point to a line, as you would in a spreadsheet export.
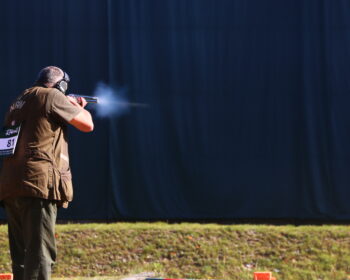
82	121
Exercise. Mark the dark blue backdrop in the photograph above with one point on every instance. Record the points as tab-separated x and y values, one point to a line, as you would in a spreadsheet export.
248	113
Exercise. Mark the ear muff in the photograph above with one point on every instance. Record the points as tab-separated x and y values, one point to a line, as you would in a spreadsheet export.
62	85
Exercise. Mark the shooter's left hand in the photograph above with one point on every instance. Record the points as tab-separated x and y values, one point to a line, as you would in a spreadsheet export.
78	101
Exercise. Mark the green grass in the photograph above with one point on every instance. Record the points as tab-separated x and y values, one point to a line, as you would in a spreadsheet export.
198	251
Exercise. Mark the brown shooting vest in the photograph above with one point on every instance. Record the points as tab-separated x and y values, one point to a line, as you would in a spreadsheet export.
40	165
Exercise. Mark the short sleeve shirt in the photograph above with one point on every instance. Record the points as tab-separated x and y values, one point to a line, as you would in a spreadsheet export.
40	165
62	108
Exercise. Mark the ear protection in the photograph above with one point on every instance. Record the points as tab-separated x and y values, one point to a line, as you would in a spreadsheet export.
62	85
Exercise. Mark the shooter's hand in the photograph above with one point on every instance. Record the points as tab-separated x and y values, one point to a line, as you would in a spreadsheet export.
77	101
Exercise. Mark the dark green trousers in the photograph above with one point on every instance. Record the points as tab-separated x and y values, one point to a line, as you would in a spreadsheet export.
31	229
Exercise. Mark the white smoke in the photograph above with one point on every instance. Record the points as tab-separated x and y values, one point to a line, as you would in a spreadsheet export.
111	102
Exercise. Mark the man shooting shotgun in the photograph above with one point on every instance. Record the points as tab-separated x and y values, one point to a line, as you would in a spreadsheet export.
35	178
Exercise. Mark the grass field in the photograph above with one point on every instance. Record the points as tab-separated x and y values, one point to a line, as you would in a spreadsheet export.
200	251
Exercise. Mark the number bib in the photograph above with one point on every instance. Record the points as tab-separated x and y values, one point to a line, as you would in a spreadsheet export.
8	140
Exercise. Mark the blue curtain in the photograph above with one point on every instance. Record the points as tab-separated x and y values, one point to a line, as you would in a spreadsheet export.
248	103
